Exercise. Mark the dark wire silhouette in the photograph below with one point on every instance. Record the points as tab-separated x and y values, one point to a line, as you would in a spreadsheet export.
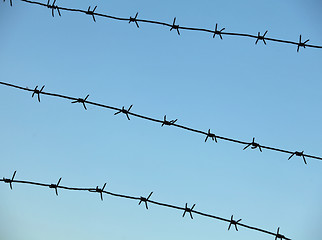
141	199
126	112
172	26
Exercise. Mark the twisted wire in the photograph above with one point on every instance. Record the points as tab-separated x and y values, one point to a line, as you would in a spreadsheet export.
147	200
173	26
164	122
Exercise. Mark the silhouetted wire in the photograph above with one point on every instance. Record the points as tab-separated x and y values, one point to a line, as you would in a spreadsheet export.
172	26
141	199
126	112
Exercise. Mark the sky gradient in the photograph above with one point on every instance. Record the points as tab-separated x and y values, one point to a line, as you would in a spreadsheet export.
232	86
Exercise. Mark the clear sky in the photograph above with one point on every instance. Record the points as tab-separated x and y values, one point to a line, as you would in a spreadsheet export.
236	88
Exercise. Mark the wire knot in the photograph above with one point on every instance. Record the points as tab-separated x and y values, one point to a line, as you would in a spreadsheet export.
278	235
7	180
82	100
174	26
91	12
55	186
299	154
254	145
134	20
53	7
233	222
217	32
189	210
124	111
259	37
168	123
301	44
36	91
145	200
211	135
99	190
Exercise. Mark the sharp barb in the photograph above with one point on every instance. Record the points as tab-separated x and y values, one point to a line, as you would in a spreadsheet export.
58	181
149	195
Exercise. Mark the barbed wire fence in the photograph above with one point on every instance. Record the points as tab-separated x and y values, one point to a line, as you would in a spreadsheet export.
164	122
173	26
145	200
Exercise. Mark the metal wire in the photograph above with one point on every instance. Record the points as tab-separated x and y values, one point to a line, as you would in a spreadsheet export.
172	26
141	199
164	122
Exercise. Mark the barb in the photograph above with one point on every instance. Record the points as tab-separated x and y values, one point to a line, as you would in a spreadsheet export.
259	37
81	100
168	123
91	12
134	20
278	235
301	44
53	7
147	200
8	180
172	26
99	190
55	186
300	154
216	32
36	91
233	222
189	210
211	135
253	145
126	112
10	2
163	122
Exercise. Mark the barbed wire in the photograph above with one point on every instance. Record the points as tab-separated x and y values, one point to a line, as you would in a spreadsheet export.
172	26
144	200
164	122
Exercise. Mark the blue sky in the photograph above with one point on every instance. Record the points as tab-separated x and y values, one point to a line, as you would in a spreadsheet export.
236	88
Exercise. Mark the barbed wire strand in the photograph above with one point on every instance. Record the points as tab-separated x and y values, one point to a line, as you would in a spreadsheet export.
141	199
172	26
127	113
